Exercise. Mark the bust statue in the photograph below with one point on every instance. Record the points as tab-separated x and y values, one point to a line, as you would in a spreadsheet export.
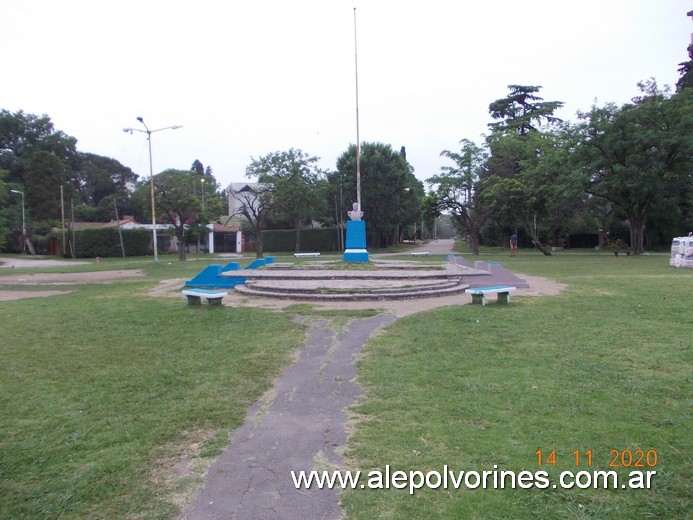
355	214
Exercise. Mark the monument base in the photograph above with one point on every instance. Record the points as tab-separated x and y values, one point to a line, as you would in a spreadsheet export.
355	255
355	242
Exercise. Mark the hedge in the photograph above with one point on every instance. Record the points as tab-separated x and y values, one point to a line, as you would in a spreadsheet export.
105	242
312	239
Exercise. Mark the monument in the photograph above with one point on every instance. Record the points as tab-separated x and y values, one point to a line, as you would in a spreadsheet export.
355	250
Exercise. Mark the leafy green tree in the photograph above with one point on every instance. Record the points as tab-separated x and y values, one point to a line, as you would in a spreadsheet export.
44	177
390	193
517	186
431	209
176	204
522	111
205	186
198	168
639	156
295	176
460	187
100	177
547	187
22	135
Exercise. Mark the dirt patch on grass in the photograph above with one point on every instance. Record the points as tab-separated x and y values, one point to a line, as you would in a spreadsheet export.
34	279
6	296
180	471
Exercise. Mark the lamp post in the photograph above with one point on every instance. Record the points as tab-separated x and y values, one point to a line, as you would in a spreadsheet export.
151	173
23	221
202	182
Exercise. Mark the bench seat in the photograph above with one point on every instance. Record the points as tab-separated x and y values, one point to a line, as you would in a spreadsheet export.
301	255
479	293
195	296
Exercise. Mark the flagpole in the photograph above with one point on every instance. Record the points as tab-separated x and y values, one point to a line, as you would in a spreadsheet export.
358	140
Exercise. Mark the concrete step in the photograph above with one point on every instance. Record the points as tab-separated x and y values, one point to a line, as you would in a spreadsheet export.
353	296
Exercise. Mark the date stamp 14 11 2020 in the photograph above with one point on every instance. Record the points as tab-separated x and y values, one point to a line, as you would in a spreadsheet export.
616	459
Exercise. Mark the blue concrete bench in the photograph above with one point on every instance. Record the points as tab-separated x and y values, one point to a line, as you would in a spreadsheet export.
195	296
301	255
479	293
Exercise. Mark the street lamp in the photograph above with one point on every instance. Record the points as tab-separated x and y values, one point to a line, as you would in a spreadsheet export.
23	221
151	173
202	181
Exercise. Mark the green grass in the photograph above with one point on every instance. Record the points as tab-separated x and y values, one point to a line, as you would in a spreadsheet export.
604	366
104	389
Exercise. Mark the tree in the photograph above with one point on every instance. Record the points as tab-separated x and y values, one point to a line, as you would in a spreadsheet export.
639	156
295	177
198	168
516	186
460	189
255	205
177	204
44	176
22	135
430	210
547	187
391	194
523	111
101	177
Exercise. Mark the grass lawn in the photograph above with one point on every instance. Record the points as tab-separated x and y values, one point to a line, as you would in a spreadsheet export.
604	366
104	389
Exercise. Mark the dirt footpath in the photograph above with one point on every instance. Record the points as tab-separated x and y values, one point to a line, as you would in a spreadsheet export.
34	279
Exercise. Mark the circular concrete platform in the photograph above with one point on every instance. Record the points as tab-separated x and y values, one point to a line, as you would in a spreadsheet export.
380	283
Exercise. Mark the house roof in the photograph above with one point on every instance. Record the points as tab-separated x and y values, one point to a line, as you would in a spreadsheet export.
111	224
221	228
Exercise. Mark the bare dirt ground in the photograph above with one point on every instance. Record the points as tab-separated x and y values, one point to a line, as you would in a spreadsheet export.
41	279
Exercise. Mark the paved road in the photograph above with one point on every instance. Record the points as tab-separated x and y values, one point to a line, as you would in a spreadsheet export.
433	247
299	429
436	247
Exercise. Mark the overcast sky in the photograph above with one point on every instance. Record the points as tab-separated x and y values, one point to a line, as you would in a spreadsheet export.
248	78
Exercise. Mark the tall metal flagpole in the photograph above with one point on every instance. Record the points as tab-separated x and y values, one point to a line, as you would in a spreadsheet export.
358	140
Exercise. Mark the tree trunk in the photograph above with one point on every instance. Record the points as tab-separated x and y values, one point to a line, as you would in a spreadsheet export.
637	233
474	243
535	240
181	245
259	253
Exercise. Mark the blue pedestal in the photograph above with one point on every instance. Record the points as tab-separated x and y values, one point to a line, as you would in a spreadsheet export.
355	242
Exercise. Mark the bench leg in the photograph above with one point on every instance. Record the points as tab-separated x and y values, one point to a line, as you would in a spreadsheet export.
194	300
213	302
478	299
503	297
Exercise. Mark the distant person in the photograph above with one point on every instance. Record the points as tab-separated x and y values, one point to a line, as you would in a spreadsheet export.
513	244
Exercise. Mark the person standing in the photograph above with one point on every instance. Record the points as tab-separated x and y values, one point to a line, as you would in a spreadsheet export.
513	244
